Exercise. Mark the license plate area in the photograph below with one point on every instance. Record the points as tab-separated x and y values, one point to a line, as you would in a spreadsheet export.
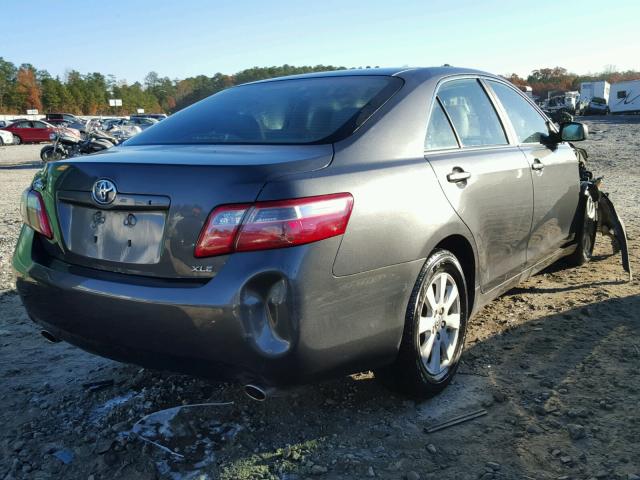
112	235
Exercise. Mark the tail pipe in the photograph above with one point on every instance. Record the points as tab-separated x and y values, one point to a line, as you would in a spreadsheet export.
257	392
49	336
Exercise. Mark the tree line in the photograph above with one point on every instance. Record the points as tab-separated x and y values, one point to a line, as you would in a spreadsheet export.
25	87
558	79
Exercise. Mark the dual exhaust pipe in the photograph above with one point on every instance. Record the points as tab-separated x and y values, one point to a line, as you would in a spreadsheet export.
251	390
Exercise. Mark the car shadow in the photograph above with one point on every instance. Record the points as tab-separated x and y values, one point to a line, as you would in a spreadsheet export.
21	165
523	376
568	288
528	378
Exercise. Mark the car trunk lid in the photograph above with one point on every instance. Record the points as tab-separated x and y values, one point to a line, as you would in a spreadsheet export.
163	195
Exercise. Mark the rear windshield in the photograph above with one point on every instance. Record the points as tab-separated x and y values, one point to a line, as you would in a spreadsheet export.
297	111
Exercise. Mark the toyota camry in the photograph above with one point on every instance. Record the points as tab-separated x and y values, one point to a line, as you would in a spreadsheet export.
292	229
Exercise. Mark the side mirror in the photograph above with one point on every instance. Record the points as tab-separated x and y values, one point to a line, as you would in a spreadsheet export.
573	132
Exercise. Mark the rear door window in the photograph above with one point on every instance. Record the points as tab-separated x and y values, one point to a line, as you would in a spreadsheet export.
529	125
472	114
440	135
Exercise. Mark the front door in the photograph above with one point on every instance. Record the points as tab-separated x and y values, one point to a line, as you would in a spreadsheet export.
486	180
40	132
554	167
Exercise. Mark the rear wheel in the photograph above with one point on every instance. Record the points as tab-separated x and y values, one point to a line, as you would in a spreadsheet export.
586	235
435	327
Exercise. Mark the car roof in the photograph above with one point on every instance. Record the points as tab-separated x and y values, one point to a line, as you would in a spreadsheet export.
418	73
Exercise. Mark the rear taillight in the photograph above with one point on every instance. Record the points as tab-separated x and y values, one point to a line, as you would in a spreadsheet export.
267	225
34	213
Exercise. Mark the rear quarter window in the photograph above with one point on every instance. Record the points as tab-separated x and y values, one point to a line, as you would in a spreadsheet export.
440	135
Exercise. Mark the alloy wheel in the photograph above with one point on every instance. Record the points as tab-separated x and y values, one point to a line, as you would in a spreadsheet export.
439	324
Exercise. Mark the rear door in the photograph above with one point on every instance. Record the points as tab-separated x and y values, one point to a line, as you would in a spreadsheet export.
554	168
486	180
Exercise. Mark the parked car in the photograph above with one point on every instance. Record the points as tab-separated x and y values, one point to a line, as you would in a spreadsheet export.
5	123
28	131
142	122
6	138
597	106
155	116
291	229
67	117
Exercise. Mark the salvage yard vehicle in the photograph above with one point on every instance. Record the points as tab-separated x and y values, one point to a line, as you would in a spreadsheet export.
6	138
597	106
296	228
28	131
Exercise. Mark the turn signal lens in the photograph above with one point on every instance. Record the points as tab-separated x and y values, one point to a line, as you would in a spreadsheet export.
267	225
34	213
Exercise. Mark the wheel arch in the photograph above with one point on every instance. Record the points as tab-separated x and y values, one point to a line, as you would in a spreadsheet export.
463	250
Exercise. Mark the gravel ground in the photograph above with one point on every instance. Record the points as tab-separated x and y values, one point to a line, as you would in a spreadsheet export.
554	362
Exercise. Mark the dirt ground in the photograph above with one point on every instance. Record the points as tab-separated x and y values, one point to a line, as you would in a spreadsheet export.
555	363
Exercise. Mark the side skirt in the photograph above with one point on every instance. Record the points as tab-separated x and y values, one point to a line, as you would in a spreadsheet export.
483	299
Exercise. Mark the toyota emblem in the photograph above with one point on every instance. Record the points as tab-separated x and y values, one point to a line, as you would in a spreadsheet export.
104	191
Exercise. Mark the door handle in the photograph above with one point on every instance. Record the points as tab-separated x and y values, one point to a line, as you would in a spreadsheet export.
458	175
537	165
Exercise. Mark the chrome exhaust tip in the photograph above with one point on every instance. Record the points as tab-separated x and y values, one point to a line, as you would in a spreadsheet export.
256	392
49	336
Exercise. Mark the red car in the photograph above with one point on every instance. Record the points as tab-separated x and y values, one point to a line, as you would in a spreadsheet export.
26	131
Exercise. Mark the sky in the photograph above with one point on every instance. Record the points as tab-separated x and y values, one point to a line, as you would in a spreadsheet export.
182	38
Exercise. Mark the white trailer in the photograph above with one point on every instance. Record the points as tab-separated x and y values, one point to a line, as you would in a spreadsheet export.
597	89
625	97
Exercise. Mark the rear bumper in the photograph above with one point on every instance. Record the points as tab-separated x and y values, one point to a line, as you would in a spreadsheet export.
278	317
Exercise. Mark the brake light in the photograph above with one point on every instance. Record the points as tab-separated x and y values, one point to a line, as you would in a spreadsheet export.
278	224
34	213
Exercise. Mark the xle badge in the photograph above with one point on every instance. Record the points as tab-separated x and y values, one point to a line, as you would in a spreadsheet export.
202	268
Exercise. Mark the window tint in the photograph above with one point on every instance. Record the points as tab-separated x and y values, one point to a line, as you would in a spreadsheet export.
529	125
472	114
439	132
24	125
297	111
39	125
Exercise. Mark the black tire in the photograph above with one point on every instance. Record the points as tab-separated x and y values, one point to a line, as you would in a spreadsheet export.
409	373
1	142
49	154
17	140
586	234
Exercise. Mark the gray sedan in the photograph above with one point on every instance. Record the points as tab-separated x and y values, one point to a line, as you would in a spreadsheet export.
287	230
